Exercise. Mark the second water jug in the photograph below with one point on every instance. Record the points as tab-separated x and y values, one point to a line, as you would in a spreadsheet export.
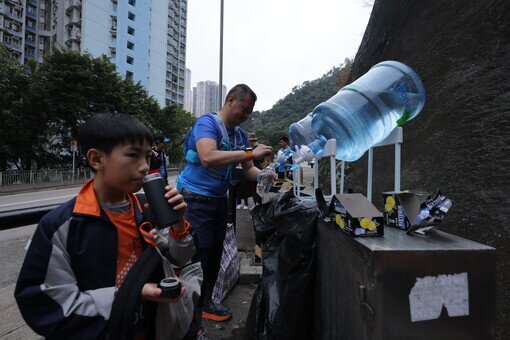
300	133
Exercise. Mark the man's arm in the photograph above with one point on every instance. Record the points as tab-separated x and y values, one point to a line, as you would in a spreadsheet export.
211	157
250	170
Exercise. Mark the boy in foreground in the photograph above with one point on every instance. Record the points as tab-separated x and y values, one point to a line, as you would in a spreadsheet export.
82	251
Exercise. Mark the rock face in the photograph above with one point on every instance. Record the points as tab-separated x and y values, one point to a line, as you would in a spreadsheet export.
460	143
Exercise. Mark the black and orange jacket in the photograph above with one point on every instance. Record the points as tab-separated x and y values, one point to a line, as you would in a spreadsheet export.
66	286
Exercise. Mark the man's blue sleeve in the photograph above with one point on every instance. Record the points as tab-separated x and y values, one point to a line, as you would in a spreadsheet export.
205	128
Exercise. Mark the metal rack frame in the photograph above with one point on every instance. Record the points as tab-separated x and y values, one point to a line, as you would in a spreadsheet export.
395	138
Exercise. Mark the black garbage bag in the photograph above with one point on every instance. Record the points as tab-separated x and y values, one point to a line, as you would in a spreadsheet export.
283	303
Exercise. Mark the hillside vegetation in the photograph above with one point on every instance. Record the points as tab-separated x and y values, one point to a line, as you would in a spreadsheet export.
269	125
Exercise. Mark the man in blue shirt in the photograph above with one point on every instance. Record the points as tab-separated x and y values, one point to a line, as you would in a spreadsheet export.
214	147
284	157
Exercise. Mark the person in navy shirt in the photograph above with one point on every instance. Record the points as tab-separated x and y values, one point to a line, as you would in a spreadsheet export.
213	149
158	157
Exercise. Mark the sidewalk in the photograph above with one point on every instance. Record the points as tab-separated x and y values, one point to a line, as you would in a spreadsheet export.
240	297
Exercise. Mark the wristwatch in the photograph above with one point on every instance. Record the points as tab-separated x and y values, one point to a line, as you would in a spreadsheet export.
249	154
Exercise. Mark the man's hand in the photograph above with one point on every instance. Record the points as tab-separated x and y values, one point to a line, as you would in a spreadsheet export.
262	150
151	292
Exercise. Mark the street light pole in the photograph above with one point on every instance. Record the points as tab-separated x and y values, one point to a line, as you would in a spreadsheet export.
221	59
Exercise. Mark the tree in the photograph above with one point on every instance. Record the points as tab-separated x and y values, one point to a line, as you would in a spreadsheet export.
13	88
271	124
175	122
136	100
43	108
69	88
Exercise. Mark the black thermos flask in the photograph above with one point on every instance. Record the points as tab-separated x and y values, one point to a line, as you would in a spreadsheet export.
154	188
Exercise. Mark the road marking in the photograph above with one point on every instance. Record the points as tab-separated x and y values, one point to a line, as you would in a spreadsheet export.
35	201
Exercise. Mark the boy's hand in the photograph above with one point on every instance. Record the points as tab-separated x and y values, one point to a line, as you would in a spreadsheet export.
151	292
176	199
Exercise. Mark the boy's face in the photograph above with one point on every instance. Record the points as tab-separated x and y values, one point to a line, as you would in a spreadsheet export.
125	167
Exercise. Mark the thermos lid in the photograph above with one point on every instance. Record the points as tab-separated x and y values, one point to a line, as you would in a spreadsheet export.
152	177
169	282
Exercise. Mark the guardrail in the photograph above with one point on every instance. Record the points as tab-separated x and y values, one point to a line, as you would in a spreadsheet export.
11	181
33	179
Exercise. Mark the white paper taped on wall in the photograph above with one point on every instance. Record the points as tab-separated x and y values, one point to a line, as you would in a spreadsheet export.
431	293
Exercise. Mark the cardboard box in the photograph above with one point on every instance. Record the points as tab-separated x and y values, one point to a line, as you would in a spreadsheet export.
401	208
355	215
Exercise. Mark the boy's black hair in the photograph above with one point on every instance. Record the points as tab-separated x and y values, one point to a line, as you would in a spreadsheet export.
104	131
284	138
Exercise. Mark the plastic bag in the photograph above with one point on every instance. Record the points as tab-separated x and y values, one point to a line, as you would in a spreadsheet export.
174	319
230	267
265	179
283	302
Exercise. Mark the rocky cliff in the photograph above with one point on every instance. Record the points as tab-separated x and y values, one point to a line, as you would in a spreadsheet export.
460	142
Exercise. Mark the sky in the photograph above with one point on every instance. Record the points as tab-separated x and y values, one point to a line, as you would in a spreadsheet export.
272	45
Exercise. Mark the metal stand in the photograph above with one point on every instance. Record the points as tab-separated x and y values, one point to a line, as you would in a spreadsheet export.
329	151
395	137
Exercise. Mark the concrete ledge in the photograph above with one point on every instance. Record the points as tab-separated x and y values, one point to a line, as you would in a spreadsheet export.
249	274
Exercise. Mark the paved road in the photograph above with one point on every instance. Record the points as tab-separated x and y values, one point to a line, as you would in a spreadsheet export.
57	196
44	197
12	244
36	198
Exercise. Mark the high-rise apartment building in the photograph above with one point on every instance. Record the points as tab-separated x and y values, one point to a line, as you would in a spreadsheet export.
188	94
194	101
12	27
145	39
206	96
24	29
176	51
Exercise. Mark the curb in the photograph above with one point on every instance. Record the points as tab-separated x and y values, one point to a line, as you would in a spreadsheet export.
249	274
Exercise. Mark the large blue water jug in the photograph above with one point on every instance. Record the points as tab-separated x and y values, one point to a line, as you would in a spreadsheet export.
365	112
300	133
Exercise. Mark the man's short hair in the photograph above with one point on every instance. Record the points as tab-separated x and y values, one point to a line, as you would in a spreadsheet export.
104	131
285	139
240	91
